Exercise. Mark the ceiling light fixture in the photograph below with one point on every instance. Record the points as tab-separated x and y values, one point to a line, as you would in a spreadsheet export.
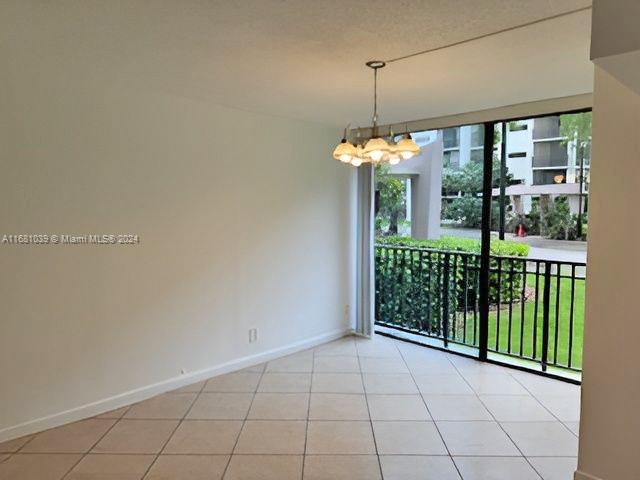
376	150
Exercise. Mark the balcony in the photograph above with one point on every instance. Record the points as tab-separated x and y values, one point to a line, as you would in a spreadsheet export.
536	312
546	127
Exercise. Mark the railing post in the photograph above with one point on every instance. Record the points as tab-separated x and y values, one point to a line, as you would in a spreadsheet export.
546	294
485	243
445	300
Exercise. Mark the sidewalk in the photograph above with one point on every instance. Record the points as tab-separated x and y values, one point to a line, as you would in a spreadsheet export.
540	248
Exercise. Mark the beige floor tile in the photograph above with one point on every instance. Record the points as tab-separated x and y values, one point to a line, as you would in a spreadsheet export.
4	456
456	407
206	437
191	388
560	468
484	383
397	407
115	414
476	439
566	408
418	467
408	438
516	408
136	436
285	383
338	406
168	406
495	468
573	426
221	406
188	467
345	347
337	383
431	367
265	467
259	368
341	467
111	467
37	466
272	437
279	406
12	446
411	351
328	437
544	439
470	365
383	365
436	384
336	364
389	383
296	363
233	382
377	348
541	386
77	437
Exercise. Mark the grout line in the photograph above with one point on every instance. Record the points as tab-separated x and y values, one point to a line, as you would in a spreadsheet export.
93	445
306	430
429	411
366	399
180	422
544	406
244	422
498	423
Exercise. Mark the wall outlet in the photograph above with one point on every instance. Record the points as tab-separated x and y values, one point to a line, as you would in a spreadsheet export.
253	335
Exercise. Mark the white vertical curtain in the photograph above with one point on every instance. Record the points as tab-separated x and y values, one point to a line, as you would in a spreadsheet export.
364	251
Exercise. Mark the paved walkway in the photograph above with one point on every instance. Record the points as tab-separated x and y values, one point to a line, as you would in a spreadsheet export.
540	248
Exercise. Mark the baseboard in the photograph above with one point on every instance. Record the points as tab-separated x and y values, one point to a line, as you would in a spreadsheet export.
142	393
584	476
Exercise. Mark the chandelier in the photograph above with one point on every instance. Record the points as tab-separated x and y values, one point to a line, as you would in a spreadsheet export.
376	150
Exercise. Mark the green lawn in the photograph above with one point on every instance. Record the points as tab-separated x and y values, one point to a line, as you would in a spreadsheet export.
564	313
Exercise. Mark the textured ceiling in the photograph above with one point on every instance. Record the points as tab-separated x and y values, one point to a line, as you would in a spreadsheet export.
305	58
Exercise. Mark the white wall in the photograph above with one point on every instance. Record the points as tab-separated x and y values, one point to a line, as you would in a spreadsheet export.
610	422
244	222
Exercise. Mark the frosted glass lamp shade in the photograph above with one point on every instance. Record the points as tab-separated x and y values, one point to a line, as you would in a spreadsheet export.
407	148
375	149
344	151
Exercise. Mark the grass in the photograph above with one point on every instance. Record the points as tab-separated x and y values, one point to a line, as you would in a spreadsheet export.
530	319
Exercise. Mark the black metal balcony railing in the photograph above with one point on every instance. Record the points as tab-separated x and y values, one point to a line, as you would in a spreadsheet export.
536	306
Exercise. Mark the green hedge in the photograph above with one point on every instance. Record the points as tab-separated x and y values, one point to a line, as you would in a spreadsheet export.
411	288
504	248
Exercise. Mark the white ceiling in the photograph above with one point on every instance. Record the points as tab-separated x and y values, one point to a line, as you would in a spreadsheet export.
305	58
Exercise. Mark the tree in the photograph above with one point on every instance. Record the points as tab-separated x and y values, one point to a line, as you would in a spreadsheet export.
466	183
577	128
391	197
557	222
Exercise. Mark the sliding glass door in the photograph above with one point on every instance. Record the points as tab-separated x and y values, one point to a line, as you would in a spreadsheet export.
480	241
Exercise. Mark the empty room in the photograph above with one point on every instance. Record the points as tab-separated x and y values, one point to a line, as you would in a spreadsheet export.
319	239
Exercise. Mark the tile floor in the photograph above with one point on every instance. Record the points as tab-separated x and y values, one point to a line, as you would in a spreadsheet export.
351	409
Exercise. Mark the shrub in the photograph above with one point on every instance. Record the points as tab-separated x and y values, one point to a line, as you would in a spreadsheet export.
412	286
498	247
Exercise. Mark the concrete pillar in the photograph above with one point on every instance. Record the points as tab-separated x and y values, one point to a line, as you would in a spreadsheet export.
408	197
518	207
426	191
574	203
465	145
425	172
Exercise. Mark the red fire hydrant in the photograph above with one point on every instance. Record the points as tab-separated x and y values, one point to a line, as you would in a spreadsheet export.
520	230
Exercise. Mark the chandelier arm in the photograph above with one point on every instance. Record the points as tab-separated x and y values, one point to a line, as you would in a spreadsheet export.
375	97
